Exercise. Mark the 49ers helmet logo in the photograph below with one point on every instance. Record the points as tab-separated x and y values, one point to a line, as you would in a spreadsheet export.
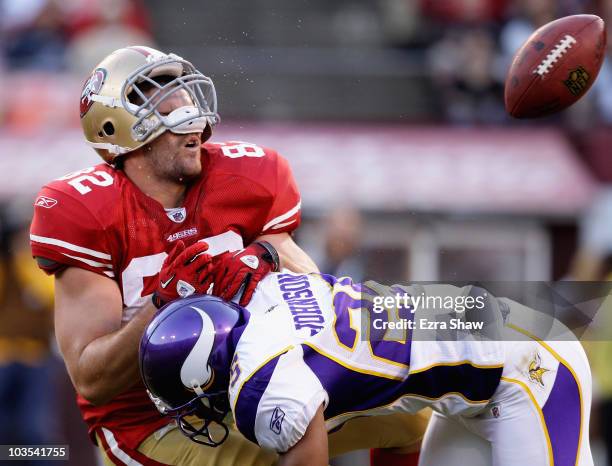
92	86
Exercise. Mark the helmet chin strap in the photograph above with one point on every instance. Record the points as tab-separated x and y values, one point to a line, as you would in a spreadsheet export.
197	389
112	148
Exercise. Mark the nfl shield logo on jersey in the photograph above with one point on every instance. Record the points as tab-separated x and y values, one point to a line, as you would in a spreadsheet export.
177	215
496	410
276	421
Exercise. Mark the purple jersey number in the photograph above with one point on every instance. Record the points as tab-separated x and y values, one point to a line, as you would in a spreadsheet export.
388	341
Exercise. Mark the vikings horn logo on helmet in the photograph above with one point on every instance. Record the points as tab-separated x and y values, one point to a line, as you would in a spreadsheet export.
193	372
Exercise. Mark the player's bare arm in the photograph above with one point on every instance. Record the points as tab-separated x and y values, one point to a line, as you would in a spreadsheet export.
311	449
292	257
101	355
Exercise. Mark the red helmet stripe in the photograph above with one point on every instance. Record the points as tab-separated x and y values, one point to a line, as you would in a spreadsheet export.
142	50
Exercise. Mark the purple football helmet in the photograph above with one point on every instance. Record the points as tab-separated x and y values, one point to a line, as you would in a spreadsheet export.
185	357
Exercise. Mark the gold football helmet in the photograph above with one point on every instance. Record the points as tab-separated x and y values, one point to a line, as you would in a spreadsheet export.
118	117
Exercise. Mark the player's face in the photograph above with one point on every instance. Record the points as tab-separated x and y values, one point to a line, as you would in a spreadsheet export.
175	157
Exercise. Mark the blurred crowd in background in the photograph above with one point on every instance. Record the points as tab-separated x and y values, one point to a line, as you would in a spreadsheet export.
400	63
457	49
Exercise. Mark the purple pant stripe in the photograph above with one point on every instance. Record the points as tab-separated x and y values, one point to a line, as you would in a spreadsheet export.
563	417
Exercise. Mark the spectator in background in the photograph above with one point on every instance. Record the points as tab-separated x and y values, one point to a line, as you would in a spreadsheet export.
599	351
602	89
36	396
52	35
466	70
90	14
33	34
342	243
28	401
464	11
524	18
97	27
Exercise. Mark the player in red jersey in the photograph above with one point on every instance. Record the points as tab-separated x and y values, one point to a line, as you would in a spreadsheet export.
106	231
146	224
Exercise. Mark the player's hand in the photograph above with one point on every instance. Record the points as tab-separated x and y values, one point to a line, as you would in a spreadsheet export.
183	273
247	267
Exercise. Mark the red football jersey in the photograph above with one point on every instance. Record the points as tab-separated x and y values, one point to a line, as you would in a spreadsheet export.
97	219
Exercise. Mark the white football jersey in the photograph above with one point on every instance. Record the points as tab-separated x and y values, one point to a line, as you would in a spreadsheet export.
315	340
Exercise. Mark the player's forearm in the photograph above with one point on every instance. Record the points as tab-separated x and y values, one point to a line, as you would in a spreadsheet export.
306	455
291	256
109	365
312	448
306	460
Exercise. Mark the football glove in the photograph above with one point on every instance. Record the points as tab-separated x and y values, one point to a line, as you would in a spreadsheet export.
183	273
247	267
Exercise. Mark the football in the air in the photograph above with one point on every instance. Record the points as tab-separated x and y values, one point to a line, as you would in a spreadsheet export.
556	66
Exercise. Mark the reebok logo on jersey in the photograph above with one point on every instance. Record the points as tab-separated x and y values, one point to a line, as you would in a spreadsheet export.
276	421
44	201
251	261
184	289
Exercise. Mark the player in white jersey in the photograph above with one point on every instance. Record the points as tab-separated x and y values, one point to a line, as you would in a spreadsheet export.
312	351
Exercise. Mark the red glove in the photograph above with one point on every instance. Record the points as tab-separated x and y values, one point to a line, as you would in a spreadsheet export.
247	267
183	273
